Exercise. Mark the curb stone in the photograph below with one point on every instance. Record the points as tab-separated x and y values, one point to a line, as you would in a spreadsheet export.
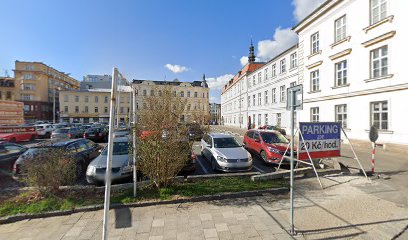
222	196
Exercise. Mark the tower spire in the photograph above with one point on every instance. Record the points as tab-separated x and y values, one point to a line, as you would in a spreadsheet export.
251	57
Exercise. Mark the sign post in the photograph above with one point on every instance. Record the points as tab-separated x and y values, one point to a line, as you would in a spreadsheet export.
294	101
373	138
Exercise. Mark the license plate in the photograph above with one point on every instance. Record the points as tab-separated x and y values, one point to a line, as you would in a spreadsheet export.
91	135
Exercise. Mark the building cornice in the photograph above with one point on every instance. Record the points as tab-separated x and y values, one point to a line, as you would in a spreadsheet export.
378	39
340	54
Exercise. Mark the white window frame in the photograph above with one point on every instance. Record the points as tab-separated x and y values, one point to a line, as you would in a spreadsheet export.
283	93
340	28
383	108
314	43
314	81
266	74
266	97
260	77
340	73
377	56
274	70
293	60
314	114
378	11
278	119
266	118
283	65
340	112
273	95
259	99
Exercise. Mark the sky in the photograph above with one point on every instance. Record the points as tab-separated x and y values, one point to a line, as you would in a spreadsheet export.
148	39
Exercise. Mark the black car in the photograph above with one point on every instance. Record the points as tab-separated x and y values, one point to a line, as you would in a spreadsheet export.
194	132
97	134
82	150
9	152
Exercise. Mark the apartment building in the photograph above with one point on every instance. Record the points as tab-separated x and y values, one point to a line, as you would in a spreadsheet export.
8	89
38	88
351	65
215	113
195	93
257	94
93	105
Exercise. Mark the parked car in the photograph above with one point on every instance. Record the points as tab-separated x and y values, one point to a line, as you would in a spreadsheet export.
61	125
276	128
44	130
225	153
82	150
194	132
65	133
17	134
122	163
96	134
9	152
270	145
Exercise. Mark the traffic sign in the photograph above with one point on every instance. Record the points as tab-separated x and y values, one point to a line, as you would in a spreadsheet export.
298	92
373	134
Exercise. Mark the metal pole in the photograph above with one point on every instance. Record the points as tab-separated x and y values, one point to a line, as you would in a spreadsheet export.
292	146
355	155
373	158
109	159
53	106
118	104
310	158
134	144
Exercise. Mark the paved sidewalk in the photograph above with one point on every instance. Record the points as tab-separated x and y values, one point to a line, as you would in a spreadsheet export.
345	209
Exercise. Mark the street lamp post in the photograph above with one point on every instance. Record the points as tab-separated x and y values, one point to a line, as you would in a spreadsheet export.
53	104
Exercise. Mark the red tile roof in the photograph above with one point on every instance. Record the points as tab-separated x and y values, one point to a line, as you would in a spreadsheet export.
248	68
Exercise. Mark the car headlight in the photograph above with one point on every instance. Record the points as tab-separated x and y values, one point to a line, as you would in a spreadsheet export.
221	159
3	139
127	168
273	150
249	158
90	170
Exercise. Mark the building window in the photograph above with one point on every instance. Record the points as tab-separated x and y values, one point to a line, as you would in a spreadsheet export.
8	95
195	94
266	97
144	92
341	114
278	119
106	100
266	119
121	110
86	99
76	98
283	65
86	109
96	109
314	81
259	99
76	109
340	29
341	73
65	109
28	76
259	77
266	74
273	95
182	94
188	93
253	81
282	93
151	92
96	99
259	119
253	100
314	43
292	84
106	109
314	114
379	62
274	70
293	60
249	101
122	99
378	10
65	98
379	115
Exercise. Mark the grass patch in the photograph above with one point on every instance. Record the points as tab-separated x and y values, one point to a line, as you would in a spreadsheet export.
32	202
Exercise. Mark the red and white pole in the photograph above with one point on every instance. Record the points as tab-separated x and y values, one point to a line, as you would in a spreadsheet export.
373	158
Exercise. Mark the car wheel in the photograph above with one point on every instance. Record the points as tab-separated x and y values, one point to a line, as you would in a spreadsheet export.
264	157
48	135
32	138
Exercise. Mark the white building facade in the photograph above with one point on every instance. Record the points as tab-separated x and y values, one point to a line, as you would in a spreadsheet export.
351	65
350	60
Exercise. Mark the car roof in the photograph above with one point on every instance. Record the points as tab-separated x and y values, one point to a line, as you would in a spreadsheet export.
264	130
65	143
220	135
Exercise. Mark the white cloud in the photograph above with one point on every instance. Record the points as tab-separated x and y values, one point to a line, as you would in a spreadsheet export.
219	82
243	60
176	68
282	40
212	99
304	8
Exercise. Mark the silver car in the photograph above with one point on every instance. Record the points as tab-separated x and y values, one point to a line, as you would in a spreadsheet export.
122	164
225	153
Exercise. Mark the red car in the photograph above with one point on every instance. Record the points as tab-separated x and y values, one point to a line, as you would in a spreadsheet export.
269	145
17	134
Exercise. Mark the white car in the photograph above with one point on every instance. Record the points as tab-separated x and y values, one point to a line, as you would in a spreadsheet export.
225	153
44	130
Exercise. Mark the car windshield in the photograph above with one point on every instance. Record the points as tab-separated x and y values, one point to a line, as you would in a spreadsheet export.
61	130
227	142
119	148
271	138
